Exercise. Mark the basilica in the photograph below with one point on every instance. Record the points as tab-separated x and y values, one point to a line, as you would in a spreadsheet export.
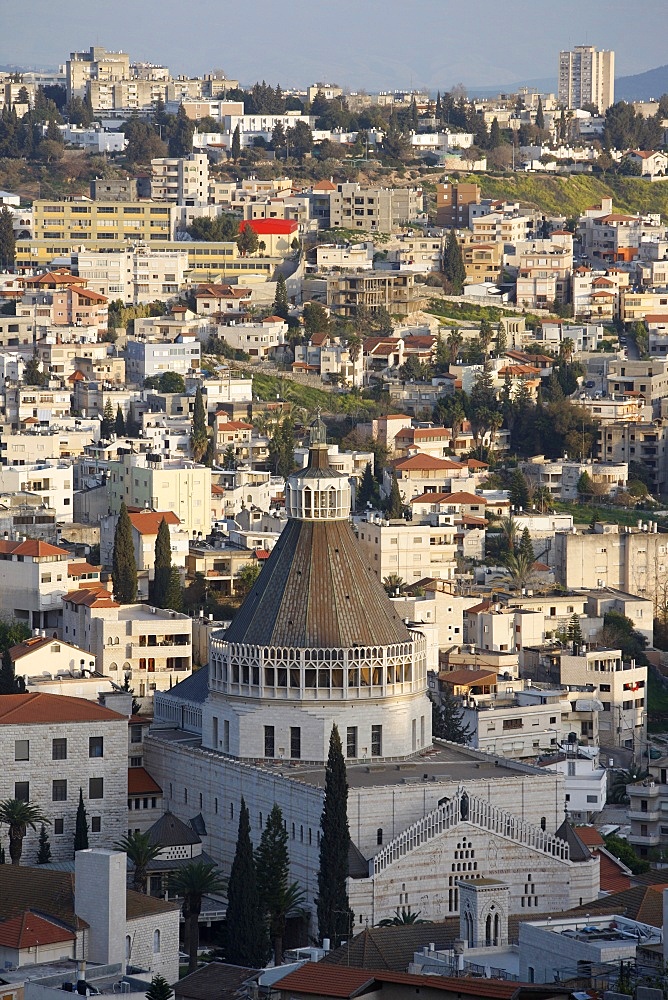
317	642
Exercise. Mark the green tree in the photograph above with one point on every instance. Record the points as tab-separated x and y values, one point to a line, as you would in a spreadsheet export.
33	374
192	882
236	143
162	566
395	506
495	138
18	816
282	447
574	632
174	599
622	849
278	897
402	917
9	682
81	826
520	567
245	930
124	566
316	319
393	584
199	437
526	546
280	306
453	264
108	422
519	490
7	239
245	578
159	989
247	240
367	492
335	917
172	382
141	852
44	847
540	116
486	335
119	422
447	719
585	486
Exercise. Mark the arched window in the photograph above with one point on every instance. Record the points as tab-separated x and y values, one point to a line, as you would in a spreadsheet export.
469	929
497	926
488	931
128	946
543	823
231	810
301	834
379	835
293	831
156	942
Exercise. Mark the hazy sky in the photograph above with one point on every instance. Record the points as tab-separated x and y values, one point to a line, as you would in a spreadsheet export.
358	43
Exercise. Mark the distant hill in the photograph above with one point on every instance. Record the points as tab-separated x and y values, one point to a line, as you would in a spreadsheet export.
642	86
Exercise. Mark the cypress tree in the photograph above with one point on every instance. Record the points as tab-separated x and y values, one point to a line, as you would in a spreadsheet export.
236	144
519	490
7	239
81	828
395	507
119	423
574	631
273	868
453	263
280	306
334	914
108	423
199	438
526	546
44	848
162	566
367	488
540	115
123	565
174	598
245	933
9	682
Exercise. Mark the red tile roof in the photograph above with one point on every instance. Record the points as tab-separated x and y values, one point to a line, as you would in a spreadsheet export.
78	569
29	930
326	980
147	522
32	548
92	597
272	227
140	782
36	709
418	462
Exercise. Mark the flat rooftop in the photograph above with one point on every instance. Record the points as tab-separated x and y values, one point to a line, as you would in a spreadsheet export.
436	763
143	613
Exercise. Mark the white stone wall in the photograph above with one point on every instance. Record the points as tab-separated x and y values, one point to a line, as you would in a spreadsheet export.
141	932
41	770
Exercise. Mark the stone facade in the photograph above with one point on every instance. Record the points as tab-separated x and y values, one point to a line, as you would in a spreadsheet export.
152	943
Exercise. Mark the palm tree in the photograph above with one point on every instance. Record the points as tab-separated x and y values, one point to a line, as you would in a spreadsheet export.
520	566
509	532
495	424
566	349
453	343
141	852
18	816
403	917
621	779
290	904
393	584
192	882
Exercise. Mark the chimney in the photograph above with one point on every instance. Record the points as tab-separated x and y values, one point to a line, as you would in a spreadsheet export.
99	899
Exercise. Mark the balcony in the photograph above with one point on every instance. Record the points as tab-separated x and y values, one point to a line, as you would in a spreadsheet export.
650	816
651	840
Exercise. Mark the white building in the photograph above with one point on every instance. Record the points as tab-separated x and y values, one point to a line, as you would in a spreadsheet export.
51	480
146	360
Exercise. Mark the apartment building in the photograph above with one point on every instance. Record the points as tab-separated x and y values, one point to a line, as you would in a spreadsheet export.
81	219
631	560
53	747
636	305
648	809
352	206
561	477
145	525
657	329
396	292
146	360
150	645
29	407
483	262
331	359
505	629
639	441
260	340
220	565
585	336
34	576
163	484
622	688
95	64
183	180
136	276
52	481
587	76
503	227
544	278
452	204
59	299
410	551
648	379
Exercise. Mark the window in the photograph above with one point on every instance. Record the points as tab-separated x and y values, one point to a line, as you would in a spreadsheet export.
379	835
58	827
269	742
96	788
22	791
351	741
135	734
59	790
59	749
295	742
96	746
376	741
592	798
156	942
226	735
95	824
21	749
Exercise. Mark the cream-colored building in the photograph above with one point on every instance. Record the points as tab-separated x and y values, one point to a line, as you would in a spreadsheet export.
137	275
648	379
163	484
409	550
151	645
145	526
636	305
95	64
622	690
81	219
183	180
587	76
53	481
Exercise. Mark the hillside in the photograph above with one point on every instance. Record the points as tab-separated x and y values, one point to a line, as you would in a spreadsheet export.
642	86
571	195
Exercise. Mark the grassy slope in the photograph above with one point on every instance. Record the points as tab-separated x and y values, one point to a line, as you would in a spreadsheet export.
571	195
